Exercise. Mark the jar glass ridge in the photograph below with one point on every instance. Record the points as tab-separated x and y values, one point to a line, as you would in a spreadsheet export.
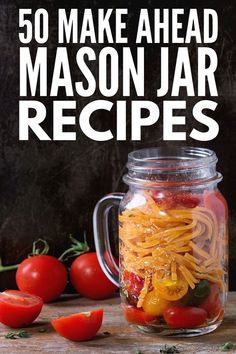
171	165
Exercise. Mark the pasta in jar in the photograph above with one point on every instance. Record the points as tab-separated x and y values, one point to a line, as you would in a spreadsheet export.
173	249
173	242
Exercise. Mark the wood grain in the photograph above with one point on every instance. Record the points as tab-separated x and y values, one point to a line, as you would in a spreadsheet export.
123	338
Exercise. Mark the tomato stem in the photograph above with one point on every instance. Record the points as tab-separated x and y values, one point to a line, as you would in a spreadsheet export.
7	268
41	247
77	248
42	250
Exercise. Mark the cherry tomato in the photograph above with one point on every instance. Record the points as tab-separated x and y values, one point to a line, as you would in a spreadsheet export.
88	278
136	316
18	309
215	201
164	199
186	200
44	276
171	200
79	327
171	290
212	304
155	305
185	317
133	285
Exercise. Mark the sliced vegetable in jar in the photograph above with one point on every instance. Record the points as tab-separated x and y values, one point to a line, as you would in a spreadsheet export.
169	289
186	200
164	199
79	327
155	305
185	317
212	304
196	296
133	285
167	200
215	201
136	316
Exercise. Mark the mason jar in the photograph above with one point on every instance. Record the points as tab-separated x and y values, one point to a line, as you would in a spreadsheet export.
173	241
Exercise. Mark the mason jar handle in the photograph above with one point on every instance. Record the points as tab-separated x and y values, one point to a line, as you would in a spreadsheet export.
101	235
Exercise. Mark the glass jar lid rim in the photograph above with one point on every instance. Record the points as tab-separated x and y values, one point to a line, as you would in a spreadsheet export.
170	158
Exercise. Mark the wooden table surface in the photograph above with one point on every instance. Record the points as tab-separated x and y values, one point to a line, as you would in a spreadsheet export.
123	338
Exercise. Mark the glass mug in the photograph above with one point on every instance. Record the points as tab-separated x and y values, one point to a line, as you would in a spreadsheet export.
173	241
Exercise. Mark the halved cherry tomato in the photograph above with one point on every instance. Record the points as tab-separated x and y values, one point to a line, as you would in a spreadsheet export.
215	201
185	317
136	316
79	327
133	285
18	309
43	275
169	289
155	305
212	304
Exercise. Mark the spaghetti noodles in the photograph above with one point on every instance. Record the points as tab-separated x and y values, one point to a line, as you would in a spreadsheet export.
176	244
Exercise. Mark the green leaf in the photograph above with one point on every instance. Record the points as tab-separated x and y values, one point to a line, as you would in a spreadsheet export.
227	346
23	334
169	350
15	335
202	289
195	296
10	335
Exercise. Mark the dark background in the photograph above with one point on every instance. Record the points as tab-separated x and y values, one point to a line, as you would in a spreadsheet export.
49	189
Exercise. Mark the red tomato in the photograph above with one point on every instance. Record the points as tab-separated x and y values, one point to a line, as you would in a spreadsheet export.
186	200
44	276
215	201
170	200
79	327
212	304
88	278
164	199
133	315
133	284
184	317
18	309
